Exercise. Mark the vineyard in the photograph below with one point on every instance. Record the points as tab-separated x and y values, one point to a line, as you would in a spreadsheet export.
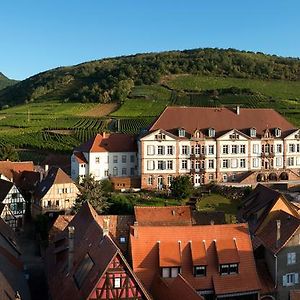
132	126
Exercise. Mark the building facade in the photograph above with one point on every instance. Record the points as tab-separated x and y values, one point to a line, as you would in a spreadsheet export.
106	155
221	145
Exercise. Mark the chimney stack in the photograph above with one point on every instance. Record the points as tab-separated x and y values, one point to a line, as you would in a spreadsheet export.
71	248
278	223
212	222
238	110
135	229
104	134
105	226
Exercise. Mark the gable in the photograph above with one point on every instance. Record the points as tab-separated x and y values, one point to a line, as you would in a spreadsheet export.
233	135
294	135
159	135
117	283
280	204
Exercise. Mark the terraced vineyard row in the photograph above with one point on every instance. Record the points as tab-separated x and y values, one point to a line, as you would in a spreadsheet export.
133	126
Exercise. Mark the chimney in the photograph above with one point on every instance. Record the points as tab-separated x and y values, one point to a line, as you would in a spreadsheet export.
71	248
105	226
278	223
238	110
212	222
135	229
46	168
104	134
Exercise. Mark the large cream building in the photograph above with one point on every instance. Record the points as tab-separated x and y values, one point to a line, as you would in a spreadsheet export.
240	146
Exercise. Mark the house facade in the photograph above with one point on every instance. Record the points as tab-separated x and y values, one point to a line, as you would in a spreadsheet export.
223	145
106	155
12	204
56	192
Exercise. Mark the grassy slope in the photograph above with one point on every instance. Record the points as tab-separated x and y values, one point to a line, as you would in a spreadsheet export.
4	81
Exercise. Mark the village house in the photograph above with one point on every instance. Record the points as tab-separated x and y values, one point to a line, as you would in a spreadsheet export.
239	146
11	171
93	269
12	204
13	283
55	193
216	261
106	156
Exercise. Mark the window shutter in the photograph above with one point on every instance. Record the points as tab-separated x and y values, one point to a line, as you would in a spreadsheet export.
163	150
164	165
296	278
284	280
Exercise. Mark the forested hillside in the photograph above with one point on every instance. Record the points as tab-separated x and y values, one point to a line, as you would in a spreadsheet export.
112	80
4	81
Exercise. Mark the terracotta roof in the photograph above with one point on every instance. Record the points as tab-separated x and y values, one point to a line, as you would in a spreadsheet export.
167	215
221	119
5	187
227	251
295	295
59	225
114	142
199	253
27	181
80	158
175	289
54	176
11	169
268	234
145	255
169	254
100	248
261	200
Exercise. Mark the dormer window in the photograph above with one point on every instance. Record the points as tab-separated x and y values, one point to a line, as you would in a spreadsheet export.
199	271
181	132
211	132
277	132
170	272
160	136
228	269
252	132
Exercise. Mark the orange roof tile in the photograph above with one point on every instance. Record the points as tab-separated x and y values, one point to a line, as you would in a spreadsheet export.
199	253
114	142
145	255
221	119
169	254
227	251
167	215
80	158
11	169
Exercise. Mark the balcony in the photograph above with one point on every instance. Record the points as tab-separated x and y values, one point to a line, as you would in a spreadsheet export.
267	154
53	208
197	156
197	171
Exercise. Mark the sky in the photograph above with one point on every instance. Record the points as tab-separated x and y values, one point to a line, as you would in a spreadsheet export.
37	35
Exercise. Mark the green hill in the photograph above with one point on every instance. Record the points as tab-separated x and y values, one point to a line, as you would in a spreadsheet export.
4	81
112	79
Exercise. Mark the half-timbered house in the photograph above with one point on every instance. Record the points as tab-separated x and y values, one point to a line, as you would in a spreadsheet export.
13	204
85	262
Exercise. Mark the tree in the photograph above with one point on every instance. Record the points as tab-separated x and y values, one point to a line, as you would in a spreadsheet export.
181	187
8	152
92	191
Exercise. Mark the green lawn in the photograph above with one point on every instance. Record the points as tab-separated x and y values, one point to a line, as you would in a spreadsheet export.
215	202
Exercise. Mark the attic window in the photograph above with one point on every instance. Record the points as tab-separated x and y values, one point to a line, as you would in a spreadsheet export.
122	239
252	132
211	132
170	272
160	136
82	270
234	136
277	132
227	269
181	132
199	271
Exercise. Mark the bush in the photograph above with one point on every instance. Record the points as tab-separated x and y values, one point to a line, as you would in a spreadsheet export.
181	187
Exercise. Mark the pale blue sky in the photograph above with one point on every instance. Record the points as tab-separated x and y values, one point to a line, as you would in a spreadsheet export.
37	35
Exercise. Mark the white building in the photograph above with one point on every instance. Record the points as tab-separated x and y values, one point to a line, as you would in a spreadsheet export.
219	144
106	155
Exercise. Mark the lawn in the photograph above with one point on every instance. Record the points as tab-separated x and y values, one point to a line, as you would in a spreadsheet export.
215	202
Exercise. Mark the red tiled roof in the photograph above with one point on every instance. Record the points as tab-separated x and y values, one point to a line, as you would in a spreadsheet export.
169	254
175	289
145	255
61	222
227	251
80	158
199	253
268	234
114	142
167	215
221	119
10	169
